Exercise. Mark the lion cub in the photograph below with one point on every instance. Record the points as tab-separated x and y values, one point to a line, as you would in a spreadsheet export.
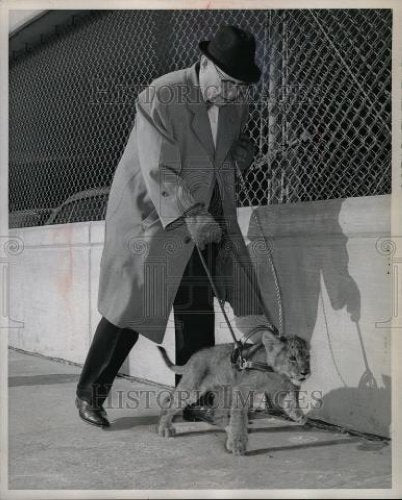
211	369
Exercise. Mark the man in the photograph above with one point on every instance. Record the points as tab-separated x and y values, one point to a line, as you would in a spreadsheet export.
174	191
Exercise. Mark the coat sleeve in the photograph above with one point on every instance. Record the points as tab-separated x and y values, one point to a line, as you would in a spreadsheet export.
160	162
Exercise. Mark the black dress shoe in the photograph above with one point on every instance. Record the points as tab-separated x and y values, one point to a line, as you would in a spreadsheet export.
90	414
194	413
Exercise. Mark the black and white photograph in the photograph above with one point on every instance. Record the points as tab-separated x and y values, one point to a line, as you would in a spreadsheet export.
200	246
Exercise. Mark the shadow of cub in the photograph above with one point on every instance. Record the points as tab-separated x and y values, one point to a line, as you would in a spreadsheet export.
211	369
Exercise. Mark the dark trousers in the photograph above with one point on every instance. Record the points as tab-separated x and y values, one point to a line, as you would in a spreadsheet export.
193	308
194	328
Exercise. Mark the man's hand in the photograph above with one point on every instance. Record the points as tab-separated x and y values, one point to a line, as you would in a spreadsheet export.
203	229
242	151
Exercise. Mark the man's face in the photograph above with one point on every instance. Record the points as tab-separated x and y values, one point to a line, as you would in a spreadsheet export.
218	87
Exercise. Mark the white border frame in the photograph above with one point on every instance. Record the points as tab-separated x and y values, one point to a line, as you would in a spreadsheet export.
396	222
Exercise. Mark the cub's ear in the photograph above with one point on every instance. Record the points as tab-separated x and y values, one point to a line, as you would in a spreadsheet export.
271	341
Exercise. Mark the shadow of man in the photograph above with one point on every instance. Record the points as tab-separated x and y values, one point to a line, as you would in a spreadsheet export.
305	243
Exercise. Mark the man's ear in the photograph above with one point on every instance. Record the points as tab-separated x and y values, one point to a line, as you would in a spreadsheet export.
271	342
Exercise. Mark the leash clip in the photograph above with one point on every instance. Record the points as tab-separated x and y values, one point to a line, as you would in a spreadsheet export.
243	364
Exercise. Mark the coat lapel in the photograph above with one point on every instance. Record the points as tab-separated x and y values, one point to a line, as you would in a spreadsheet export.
228	121
197	106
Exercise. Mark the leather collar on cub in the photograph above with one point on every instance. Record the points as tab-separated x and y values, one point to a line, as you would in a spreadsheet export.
240	360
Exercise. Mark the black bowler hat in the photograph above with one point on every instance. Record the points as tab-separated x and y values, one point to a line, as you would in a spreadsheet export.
233	51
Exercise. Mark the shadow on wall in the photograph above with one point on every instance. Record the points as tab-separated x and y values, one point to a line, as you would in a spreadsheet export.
306	242
351	402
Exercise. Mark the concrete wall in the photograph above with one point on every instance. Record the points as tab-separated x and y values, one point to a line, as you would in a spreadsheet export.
330	264
334	273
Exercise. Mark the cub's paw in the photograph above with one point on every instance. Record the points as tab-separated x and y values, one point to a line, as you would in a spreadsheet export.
237	446
297	416
167	432
221	419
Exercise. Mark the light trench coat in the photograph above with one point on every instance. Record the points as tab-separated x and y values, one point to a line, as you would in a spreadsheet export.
169	166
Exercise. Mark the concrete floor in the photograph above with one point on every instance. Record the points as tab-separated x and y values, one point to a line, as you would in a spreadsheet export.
51	448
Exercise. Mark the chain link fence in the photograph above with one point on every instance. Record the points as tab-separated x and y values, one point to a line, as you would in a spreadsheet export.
320	116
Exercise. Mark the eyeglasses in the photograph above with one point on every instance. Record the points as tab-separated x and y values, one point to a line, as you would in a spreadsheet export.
230	87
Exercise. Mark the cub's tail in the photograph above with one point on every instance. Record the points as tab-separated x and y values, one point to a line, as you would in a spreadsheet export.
175	368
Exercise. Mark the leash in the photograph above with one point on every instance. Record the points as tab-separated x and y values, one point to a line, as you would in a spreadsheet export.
367	379
256	215
331	350
221	302
238	358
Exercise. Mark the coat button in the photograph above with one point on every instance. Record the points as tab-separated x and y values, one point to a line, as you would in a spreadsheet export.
187	239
